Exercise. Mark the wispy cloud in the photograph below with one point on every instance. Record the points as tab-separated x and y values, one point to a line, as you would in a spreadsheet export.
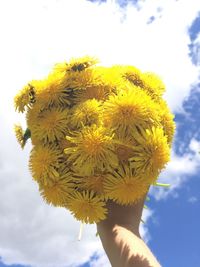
194	32
193	199
195	51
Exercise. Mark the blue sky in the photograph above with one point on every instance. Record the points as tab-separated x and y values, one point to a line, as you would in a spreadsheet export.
13	265
164	38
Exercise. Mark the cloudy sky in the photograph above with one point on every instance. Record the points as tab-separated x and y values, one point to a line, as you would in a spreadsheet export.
160	36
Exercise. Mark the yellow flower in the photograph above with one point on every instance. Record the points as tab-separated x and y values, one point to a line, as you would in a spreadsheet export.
128	109
151	152
44	162
52	91
76	76
133	75
153	85
86	113
74	69
92	183
94	148
110	77
87	207
57	190
169	126
92	87
124	186
32	114
77	81
124	152
24	98
167	121
99	92
80	64
32	119
19	135
64	143
83	85
50	125
96	83
60	68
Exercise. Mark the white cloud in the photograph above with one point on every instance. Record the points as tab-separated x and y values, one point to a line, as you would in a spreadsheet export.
194	146
192	199
144	232
35	35
196	50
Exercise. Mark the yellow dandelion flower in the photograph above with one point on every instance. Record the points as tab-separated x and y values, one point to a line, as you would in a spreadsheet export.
19	133
24	98
44	162
80	64
151	153
80	86
60	68
167	121
153	85
86	113
91	83
99	92
57	190
87	207
51	125
52	91
91	88
64	143
129	108
94	148
32	115
133	75
91	183
124	147
124	186
110	77
76	81
169	126
75	74
124	152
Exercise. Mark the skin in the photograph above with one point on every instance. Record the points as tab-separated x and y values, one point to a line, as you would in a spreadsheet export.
120	237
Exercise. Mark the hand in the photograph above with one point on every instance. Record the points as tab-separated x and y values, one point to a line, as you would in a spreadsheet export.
126	216
120	237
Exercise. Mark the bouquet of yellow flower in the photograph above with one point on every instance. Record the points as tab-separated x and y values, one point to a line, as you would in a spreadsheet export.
98	133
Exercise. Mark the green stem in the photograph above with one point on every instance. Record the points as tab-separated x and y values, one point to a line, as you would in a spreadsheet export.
163	185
